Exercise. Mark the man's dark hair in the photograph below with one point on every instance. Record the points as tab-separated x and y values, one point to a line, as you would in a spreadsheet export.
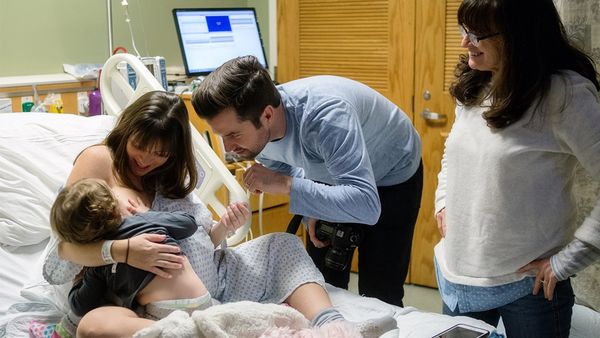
242	84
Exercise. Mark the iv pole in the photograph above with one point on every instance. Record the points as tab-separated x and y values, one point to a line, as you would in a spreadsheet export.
109	26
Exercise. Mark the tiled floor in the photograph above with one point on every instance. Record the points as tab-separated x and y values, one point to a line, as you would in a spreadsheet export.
423	298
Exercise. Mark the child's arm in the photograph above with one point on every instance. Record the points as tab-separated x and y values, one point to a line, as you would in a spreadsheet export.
176	224
235	216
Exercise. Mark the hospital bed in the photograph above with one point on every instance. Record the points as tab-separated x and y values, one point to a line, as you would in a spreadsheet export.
36	155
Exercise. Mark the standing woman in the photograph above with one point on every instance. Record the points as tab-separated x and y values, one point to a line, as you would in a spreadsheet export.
527	113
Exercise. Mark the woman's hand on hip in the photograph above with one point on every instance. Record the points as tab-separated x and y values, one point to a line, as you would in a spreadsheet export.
146	252
440	217
545	277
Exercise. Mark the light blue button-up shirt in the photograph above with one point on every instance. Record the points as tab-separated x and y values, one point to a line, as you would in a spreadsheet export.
466	298
347	135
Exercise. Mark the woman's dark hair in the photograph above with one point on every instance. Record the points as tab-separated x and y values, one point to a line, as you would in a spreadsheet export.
157	119
535	46
241	83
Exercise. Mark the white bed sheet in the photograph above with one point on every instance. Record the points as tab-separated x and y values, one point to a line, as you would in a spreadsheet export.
20	274
412	322
18	267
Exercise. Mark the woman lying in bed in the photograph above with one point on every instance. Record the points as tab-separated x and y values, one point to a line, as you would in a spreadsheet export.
150	152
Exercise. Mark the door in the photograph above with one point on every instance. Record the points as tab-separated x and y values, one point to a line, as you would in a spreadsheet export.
361	40
437	48
405	49
368	41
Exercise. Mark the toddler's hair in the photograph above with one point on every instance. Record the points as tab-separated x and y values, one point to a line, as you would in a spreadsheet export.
85	212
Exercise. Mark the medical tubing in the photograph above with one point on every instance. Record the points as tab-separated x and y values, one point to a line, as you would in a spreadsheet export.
261	230
128	20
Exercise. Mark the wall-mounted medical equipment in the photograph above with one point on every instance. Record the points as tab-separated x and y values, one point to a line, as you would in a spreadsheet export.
155	64
209	37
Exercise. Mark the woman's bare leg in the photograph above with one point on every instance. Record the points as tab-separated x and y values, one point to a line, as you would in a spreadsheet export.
111	321
309	299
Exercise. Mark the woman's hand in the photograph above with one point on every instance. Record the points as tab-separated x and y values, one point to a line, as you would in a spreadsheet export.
235	216
545	277
146	252
440	217
312	223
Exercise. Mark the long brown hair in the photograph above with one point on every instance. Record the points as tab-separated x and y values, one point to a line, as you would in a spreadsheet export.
535	46
157	118
241	83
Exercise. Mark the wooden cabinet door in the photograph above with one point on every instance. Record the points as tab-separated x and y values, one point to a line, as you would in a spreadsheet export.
362	40
437	46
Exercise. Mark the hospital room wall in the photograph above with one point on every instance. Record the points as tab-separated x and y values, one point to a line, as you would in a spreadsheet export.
38	36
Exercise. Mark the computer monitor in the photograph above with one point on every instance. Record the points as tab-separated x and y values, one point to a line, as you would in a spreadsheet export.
210	37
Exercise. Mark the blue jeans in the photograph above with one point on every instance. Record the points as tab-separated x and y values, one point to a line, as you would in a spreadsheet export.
532	316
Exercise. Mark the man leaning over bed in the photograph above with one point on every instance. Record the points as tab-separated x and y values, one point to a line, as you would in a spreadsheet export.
340	150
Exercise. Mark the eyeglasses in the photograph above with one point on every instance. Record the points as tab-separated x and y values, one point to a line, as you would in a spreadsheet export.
474	38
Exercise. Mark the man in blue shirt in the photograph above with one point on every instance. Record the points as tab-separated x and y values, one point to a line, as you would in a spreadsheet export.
341	151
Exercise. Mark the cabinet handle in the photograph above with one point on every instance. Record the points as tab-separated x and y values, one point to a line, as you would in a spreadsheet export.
433	116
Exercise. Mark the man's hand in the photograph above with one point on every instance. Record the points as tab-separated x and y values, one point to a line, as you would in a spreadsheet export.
312	223
544	278
259	179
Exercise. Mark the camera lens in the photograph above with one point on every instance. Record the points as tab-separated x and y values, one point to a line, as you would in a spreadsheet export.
337	259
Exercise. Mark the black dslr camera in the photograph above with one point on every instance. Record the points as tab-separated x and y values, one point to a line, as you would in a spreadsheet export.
342	238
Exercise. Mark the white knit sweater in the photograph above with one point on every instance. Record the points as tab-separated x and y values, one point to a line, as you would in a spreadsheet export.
508	193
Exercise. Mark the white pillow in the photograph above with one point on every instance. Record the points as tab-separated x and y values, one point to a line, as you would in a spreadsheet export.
37	151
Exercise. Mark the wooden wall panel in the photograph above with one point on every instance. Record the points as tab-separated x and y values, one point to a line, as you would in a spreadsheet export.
452	48
362	40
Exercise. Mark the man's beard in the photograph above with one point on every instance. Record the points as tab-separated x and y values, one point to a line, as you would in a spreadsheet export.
248	156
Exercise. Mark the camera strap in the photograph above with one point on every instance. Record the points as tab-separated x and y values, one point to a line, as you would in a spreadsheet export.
294	224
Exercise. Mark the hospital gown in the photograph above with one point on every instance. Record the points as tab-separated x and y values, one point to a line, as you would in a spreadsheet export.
266	269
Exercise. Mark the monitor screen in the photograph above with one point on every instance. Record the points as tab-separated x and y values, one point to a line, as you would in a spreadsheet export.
210	37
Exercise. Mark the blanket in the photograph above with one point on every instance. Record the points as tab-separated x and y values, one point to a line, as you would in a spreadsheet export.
243	319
